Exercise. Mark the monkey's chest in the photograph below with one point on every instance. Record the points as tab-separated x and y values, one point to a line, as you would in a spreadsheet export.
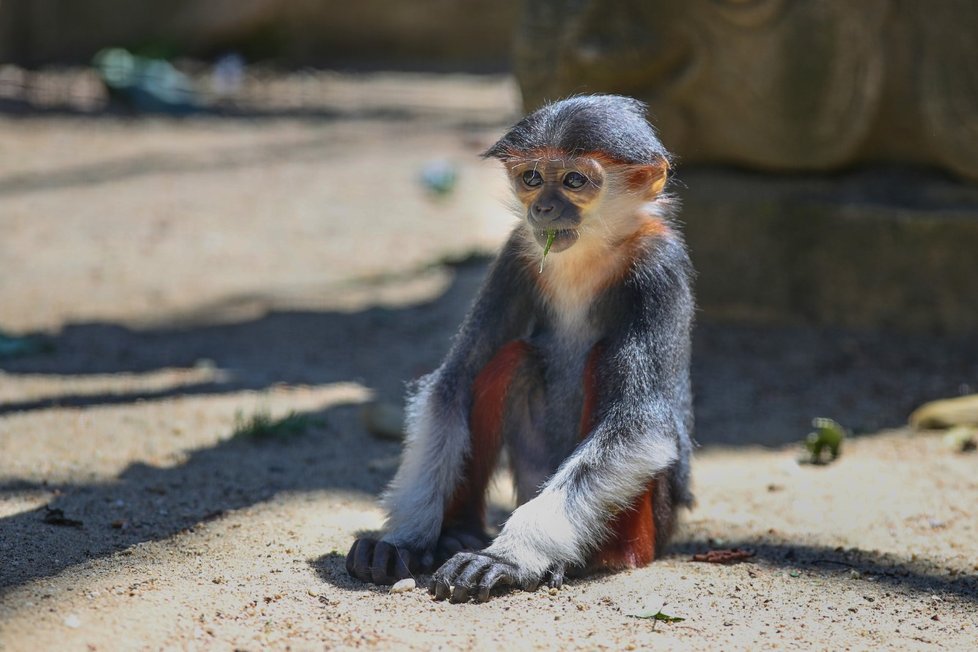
565	369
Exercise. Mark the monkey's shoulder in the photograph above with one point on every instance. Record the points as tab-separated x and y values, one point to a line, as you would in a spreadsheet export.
656	289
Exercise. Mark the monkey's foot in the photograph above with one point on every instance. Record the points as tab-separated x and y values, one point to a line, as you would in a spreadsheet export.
382	562
555	576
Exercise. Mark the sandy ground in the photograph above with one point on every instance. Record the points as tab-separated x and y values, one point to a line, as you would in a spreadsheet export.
188	274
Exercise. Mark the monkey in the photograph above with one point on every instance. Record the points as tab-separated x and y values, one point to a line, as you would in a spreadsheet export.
579	368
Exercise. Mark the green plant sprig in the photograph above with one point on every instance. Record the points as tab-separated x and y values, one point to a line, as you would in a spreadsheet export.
551	234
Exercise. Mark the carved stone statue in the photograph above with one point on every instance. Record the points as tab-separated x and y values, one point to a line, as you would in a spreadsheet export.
773	84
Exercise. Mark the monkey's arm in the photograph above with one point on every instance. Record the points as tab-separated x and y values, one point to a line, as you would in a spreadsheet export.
438	438
641	429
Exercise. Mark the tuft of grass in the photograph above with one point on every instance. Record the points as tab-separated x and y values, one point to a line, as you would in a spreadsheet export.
261	426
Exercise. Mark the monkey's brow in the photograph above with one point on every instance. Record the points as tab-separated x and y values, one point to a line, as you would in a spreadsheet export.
540	159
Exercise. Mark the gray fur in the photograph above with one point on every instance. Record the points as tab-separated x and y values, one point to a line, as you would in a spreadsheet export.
438	433
610	124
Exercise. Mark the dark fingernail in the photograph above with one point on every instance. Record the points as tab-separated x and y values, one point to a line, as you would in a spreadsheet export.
442	590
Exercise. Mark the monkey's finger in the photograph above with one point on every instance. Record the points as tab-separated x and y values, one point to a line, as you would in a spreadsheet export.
403	561
439	588
497	575
380	568
441	583
469	578
350	557
556	578
364	551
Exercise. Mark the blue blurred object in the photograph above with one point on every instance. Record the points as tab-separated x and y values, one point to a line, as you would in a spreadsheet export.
146	85
439	177
228	75
13	346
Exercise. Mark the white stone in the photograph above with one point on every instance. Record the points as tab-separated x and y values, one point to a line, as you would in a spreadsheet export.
405	585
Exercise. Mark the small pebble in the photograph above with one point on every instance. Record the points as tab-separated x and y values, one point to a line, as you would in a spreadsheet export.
73	621
383	420
405	585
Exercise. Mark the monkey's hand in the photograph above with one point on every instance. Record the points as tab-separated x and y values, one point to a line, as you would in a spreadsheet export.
475	574
382	562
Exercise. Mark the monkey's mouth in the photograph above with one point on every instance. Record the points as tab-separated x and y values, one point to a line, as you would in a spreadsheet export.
563	239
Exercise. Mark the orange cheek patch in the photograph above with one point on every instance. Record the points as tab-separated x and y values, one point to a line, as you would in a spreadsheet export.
631	248
648	230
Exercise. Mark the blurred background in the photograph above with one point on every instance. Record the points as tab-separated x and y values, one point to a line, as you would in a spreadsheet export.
231	231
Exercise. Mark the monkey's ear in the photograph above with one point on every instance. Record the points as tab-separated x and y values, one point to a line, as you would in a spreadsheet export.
649	179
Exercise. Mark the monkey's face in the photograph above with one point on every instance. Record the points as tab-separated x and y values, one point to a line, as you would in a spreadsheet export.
557	194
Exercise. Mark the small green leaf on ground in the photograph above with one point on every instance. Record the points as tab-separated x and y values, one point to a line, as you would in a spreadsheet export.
651	609
826	438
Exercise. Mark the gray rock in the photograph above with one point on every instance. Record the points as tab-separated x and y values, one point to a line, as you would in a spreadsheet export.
776	85
871	249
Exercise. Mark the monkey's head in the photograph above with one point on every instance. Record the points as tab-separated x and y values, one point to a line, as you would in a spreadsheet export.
583	166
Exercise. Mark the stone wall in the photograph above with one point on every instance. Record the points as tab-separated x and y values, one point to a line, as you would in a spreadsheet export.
773	84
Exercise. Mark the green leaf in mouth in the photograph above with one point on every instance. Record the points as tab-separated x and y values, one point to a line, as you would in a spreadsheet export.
551	234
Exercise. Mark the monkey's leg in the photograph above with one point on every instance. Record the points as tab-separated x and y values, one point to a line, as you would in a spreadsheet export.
464	520
639	533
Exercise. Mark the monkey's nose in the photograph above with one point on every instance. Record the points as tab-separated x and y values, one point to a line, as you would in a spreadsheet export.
544	210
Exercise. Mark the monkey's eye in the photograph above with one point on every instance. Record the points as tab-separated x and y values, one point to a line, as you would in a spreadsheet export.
574	180
532	178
